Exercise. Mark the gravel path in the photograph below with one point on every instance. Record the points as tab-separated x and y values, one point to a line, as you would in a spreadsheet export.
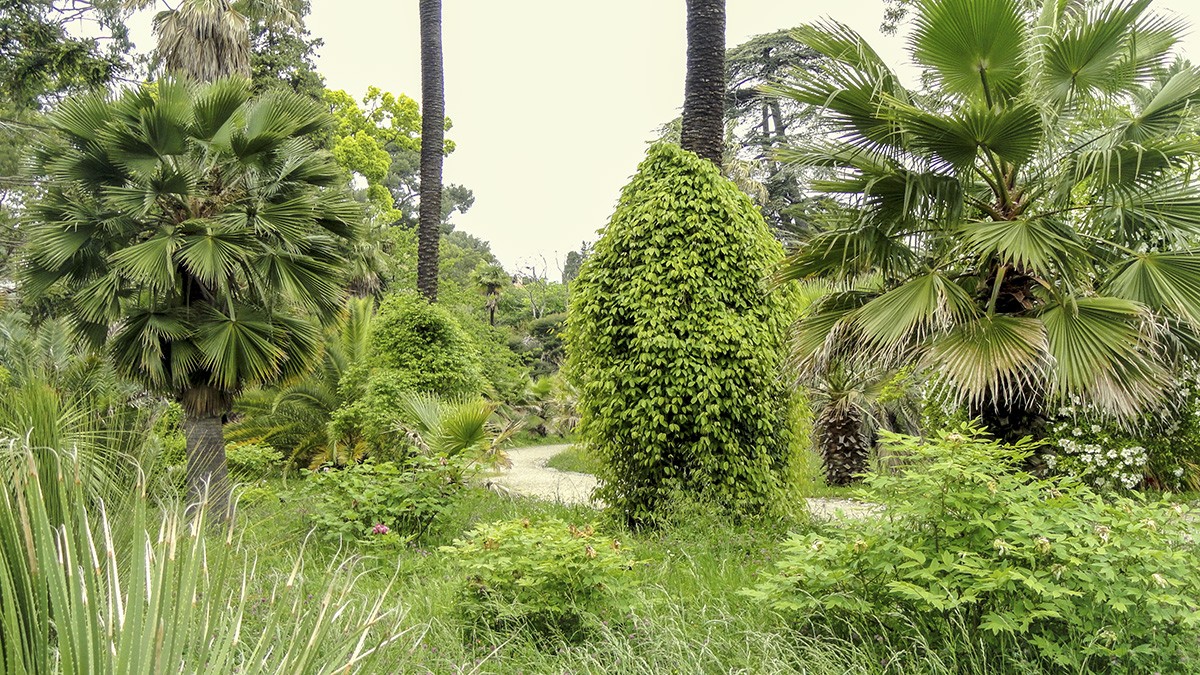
530	476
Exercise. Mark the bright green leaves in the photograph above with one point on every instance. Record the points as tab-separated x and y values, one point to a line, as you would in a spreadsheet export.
975	47
675	341
1085	59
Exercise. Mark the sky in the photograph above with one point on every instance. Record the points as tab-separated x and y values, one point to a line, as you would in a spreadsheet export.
553	101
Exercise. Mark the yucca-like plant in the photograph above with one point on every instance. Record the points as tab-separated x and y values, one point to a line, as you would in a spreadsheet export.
198	232
1030	213
455	428
135	591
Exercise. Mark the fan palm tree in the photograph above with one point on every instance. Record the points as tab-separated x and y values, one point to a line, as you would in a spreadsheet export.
197	232
433	133
1027	220
851	403
491	279
703	129
209	39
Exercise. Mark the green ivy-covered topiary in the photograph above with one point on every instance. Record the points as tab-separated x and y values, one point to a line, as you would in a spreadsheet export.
675	340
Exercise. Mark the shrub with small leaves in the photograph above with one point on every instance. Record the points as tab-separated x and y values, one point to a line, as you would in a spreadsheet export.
405	498
549	577
249	461
675	339
1043	574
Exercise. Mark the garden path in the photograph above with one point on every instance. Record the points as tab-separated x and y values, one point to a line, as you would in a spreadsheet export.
530	476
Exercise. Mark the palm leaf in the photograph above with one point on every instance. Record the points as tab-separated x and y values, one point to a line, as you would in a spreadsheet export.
975	48
1161	281
919	307
1104	353
993	358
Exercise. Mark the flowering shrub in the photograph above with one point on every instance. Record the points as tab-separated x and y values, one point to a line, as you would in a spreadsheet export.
1042	574
369	501
1161	450
549	577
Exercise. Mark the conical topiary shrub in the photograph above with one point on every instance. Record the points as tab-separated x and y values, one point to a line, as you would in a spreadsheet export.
675	340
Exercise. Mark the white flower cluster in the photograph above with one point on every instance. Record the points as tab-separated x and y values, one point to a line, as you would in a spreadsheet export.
1122	465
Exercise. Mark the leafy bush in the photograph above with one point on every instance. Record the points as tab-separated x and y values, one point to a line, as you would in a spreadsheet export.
675	340
1038	571
405	498
424	345
415	347
548	577
248	461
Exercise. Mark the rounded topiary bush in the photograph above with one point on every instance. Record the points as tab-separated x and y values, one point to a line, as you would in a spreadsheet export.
424	345
675	340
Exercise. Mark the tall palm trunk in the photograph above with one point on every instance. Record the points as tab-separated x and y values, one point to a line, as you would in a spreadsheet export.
204	412
433	121
704	91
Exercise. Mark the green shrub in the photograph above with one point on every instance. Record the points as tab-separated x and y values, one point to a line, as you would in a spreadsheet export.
548	577
415	347
675	341
248	461
424	345
405	498
1036	571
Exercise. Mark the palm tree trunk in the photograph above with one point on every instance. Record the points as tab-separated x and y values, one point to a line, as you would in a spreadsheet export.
433	121
704	91
207	473
844	447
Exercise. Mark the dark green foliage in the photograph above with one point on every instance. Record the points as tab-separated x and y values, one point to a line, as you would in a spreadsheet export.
281	55
1037	575
675	342
40	56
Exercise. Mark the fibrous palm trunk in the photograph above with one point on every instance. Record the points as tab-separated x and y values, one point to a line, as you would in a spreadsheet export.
433	120
207	473
704	91
204	413
843	445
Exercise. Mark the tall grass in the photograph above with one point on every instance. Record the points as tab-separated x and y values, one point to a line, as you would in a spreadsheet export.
145	592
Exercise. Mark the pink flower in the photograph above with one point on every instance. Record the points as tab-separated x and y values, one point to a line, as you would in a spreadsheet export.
379	528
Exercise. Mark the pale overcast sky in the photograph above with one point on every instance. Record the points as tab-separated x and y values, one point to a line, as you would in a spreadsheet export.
553	101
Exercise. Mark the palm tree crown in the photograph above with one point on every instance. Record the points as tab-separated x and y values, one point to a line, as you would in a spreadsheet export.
210	39
1024	223
196	231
